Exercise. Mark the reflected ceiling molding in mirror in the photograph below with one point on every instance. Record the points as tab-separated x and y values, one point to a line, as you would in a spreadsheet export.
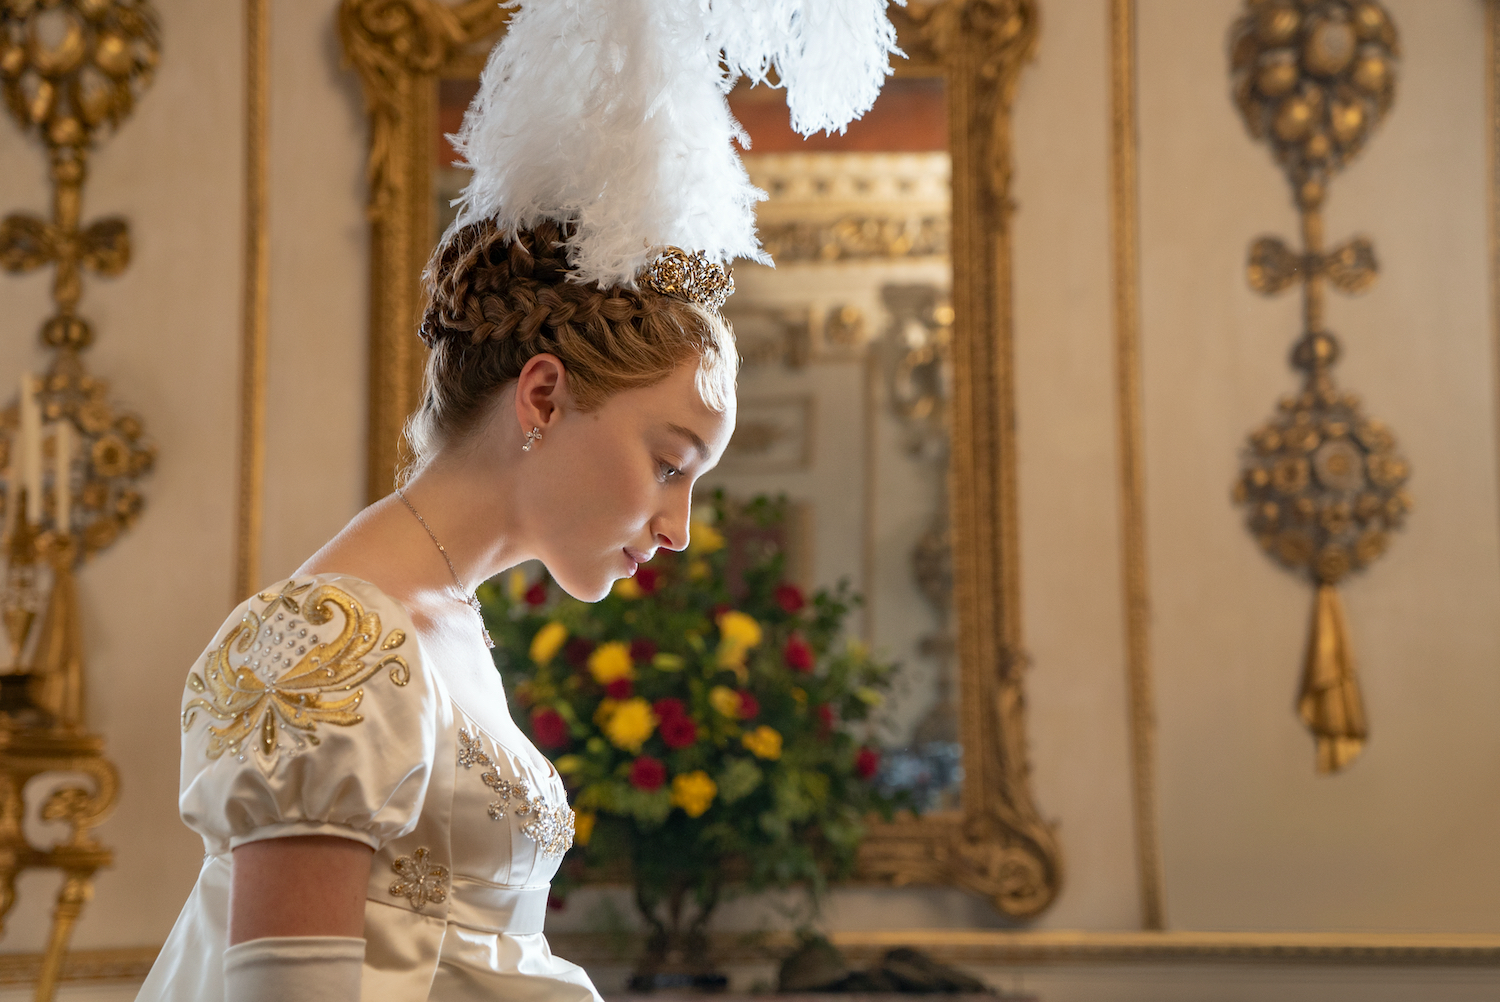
998	845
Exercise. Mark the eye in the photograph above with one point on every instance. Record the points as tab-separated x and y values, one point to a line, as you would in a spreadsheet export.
668	471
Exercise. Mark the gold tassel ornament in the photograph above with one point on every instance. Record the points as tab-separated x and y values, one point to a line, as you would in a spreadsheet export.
1330	704
1322	484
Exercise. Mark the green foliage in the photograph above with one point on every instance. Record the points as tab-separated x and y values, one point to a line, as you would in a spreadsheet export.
770	778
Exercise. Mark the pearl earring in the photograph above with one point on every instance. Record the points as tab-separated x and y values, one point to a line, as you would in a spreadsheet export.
531	437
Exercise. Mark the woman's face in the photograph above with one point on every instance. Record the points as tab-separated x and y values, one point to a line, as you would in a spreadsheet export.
602	490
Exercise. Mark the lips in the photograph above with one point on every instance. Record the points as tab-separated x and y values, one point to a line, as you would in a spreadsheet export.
637	556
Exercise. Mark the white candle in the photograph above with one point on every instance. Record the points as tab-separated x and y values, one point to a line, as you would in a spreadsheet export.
63	485
31	447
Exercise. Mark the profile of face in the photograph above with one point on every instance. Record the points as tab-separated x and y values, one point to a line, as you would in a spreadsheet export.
600	491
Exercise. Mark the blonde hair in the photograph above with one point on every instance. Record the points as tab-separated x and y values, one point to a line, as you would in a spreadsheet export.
496	300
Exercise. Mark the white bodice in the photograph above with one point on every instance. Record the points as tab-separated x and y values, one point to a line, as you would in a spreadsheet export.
313	713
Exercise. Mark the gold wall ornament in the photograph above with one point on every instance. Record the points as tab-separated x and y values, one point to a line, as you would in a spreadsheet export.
70	70
1322	483
998	845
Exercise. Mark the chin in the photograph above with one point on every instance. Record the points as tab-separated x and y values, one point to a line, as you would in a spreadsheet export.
584	587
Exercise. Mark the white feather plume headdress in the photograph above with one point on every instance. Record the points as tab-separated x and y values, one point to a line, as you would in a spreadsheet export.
611	115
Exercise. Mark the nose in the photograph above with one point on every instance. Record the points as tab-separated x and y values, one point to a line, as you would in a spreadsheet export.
671	525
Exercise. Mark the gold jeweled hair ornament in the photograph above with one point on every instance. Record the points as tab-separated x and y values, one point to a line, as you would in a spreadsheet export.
689	276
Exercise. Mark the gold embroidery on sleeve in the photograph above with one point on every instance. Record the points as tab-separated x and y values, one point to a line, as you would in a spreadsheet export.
419	881
319	684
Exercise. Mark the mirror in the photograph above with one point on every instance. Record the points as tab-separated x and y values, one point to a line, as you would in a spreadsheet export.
846	380
875	393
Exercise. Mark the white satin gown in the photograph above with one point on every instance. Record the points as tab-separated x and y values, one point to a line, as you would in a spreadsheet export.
312	713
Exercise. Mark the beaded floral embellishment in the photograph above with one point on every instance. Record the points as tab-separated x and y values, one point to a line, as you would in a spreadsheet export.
270	675
550	827
419	881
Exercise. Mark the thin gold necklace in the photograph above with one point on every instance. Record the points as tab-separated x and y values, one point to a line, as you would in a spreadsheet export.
471	600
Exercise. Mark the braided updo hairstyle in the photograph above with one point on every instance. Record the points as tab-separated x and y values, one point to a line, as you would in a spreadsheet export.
493	302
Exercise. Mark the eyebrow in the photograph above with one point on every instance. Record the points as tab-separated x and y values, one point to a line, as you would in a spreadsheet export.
692	437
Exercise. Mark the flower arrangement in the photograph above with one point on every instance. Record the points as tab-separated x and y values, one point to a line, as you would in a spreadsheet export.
704	713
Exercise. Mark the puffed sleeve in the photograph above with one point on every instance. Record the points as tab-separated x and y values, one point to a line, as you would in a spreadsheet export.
310	714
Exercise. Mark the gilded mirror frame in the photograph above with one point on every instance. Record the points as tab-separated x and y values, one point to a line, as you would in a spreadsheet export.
998	845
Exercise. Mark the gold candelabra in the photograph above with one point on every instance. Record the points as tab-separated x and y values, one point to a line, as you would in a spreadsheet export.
1322	483
69	69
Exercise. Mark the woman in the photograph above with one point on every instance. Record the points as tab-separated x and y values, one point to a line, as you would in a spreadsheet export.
375	824
374	820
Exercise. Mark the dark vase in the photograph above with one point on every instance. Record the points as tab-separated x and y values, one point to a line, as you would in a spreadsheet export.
678	953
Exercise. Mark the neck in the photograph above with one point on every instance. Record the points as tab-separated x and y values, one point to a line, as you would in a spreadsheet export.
467	506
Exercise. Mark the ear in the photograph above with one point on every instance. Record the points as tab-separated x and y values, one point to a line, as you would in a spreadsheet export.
541	392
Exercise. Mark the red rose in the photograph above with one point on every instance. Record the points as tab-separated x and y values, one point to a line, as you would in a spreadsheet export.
577	651
648	578
668	708
555	903
537	593
548	728
789	597
620	688
642	650
825	718
647	773
749	706
679	732
717	611
798	655
867	762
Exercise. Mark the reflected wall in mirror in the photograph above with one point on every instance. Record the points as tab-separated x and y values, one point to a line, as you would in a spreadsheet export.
875	391
847	371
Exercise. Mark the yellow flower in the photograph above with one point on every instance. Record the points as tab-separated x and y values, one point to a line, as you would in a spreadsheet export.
763	742
704	538
547	642
740	629
738	633
868	696
602	714
698	570
583	826
515	585
800	695
693	792
611	661
627	588
725	700
569	764
631	723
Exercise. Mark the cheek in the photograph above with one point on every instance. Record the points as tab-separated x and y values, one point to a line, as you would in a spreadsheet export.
601	496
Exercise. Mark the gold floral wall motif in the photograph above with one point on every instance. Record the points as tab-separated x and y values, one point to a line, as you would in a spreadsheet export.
1322	483
70	70
999	845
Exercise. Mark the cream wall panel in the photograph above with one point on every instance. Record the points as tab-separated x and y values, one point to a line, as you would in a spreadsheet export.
1252	838
1069	495
168	333
319	323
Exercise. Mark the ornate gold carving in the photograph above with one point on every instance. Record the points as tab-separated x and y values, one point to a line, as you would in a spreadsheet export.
857	238
294	699
419	881
1492	120
400	48
256	301
999	845
68	69
1125	236
1322	484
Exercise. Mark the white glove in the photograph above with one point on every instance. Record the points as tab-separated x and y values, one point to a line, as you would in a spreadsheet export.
294	969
